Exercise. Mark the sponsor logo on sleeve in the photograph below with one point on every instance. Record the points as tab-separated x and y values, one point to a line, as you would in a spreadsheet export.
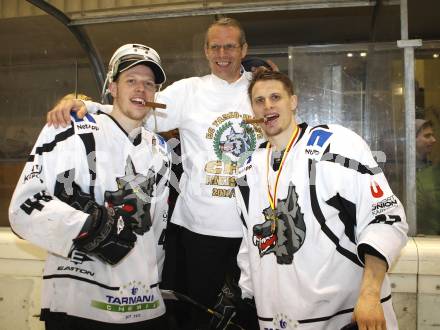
35	173
316	141
376	190
384	205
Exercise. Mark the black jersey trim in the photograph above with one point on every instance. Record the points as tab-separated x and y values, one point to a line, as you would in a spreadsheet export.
347	214
138	139
320	126
263	145
48	147
350	164
302	127
88	140
242	220
344	311
321	219
115	121
244	190
324	318
78	278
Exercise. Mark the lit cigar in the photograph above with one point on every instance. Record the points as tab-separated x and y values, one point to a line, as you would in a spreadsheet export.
255	120
155	105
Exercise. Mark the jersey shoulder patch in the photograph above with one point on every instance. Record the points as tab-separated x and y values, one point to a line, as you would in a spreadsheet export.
84	125
318	140
158	143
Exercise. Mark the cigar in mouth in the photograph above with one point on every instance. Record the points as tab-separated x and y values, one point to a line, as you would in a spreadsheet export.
155	105
255	120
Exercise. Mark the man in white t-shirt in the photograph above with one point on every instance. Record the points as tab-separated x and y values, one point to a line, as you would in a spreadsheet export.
209	112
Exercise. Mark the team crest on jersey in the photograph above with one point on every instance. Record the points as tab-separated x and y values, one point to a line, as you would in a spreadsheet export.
234	142
133	197
284	231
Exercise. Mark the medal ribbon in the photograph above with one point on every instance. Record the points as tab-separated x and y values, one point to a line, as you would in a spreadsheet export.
273	199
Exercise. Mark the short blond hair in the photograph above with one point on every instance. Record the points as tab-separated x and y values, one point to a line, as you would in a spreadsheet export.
227	22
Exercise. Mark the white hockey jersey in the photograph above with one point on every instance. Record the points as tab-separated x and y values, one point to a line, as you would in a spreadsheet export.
99	156
300	260
215	142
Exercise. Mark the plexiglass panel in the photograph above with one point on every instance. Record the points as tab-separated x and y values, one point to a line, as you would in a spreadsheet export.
359	87
427	67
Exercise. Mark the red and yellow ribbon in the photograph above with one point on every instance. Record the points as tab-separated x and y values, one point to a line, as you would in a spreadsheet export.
273	198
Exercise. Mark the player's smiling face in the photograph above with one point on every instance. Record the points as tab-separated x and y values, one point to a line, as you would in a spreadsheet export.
224	52
133	88
271	101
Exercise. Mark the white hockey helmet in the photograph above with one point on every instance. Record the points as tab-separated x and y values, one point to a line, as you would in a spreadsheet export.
129	55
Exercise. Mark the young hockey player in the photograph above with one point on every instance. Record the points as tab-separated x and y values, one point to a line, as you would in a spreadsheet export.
321	224
94	195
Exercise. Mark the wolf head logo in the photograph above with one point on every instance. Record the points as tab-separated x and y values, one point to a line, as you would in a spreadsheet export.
133	197
236	142
284	230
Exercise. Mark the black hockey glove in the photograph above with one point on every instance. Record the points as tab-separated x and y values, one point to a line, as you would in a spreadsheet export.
106	235
247	314
350	326
226	308
77	199
232	308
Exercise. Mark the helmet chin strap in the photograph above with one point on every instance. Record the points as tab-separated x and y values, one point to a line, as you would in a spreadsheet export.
154	109
104	90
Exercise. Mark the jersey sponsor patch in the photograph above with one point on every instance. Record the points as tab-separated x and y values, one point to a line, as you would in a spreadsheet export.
318	138
376	190
34	173
84	125
384	205
131	297
82	128
75	270
315	144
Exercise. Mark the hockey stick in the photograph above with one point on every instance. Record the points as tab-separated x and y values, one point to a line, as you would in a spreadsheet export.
173	295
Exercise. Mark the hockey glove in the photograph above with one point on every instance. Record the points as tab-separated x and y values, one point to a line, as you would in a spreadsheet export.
226	305
233	308
77	199
247	314
105	235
